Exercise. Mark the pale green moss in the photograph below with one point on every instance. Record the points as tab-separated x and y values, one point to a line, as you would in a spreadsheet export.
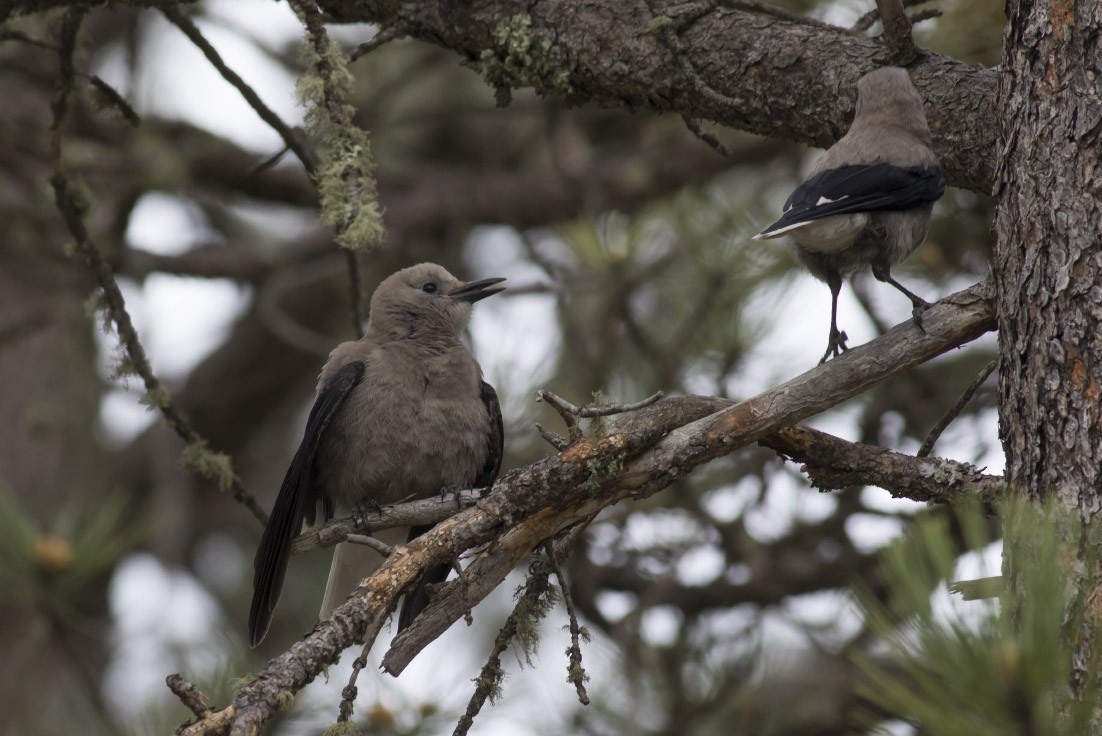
345	173
199	459
520	59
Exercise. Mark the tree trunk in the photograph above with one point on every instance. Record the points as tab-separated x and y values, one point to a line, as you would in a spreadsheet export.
1048	276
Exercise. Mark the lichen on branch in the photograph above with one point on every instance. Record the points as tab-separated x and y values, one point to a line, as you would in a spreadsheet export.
345	175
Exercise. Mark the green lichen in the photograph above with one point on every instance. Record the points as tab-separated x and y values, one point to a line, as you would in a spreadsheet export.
157	399
345	173
601	468
342	728
520	59
199	459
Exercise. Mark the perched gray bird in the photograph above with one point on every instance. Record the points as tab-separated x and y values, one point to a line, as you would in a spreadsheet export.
867	200
402	413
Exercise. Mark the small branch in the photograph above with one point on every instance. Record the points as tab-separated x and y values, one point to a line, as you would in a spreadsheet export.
696	129
981	589
348	695
865	22
575	671
832	463
955	410
557	441
384	36
411	513
897	30
369	541
290	138
664	26
189	695
589	411
531	598
762	8
197	456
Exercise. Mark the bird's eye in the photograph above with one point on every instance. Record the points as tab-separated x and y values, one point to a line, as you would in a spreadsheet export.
429	288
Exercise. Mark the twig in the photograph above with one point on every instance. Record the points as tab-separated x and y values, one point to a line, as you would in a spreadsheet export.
213	467
384	36
594	410
555	440
664	26
348	695
189	695
112	94
290	138
411	513
865	22
955	410
897	30
530	599
368	541
575	671
767	9
695	128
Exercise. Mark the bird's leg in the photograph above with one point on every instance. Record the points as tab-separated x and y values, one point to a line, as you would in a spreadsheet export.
918	304
836	345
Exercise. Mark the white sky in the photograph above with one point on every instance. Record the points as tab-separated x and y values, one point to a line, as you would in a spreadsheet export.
164	614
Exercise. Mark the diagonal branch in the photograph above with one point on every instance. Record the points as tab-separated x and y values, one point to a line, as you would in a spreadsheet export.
197	456
639	455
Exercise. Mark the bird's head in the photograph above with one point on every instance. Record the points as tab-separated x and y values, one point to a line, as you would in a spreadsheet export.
426	299
889	92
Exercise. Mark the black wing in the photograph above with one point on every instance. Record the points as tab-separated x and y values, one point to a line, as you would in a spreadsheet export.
851	189
296	501
417	598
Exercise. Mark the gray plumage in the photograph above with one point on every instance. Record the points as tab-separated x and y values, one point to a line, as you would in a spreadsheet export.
867	201
402	413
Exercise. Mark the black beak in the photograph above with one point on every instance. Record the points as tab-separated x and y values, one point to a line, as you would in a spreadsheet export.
472	291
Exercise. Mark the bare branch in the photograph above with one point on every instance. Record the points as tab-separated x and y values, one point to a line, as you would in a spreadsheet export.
197	456
381	547
293	140
189	695
575	672
897	30
955	410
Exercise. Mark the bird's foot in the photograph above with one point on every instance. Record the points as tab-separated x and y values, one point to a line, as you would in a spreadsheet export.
918	310
836	345
455	492
360	512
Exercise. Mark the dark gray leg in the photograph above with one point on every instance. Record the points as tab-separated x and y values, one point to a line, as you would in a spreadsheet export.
836	345
918	304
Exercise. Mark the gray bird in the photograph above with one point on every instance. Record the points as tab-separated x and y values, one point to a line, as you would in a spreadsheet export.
867	200
402	413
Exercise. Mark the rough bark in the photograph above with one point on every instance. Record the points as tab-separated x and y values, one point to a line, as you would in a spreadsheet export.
1048	269
748	71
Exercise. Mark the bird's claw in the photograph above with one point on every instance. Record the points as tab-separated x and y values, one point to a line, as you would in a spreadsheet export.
836	345
360	512
918	310
455	492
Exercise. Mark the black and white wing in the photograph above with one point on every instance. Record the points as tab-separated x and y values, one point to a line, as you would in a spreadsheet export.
858	189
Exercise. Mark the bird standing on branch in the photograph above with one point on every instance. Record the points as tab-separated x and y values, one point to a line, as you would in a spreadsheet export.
867	200
401	413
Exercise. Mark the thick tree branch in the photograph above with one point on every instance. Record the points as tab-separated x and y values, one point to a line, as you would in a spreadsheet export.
757	73
639	455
